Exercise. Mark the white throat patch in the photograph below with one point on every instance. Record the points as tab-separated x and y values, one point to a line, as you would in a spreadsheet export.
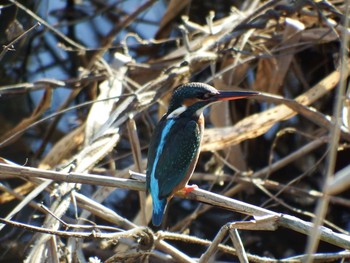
177	112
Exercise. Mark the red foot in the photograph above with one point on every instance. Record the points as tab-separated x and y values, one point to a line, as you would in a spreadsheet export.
189	188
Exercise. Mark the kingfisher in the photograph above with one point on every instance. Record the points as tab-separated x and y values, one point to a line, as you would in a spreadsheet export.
175	143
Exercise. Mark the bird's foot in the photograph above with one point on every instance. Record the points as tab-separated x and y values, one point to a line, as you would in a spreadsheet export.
189	188
186	190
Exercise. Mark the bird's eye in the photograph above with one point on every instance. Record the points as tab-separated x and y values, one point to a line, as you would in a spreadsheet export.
206	96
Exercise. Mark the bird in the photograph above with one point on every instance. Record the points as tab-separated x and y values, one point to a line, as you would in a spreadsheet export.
175	143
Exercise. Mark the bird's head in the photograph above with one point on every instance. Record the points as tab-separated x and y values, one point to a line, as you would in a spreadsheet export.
192	98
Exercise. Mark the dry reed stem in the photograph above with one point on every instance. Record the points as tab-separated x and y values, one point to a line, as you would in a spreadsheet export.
198	195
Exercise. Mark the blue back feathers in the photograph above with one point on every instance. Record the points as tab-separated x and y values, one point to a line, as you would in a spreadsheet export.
159	205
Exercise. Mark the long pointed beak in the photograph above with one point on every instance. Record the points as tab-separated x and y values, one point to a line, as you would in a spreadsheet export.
233	95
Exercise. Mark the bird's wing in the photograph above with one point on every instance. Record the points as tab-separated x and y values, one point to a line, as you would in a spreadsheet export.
179	150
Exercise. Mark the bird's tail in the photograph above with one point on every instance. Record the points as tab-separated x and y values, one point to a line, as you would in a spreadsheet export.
159	206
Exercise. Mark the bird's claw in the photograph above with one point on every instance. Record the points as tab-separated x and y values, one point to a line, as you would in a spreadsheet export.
189	188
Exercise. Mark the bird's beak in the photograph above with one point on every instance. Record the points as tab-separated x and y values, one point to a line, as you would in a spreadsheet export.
234	95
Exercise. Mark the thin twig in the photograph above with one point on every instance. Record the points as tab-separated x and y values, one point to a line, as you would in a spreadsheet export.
9	46
236	240
91	234
322	205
